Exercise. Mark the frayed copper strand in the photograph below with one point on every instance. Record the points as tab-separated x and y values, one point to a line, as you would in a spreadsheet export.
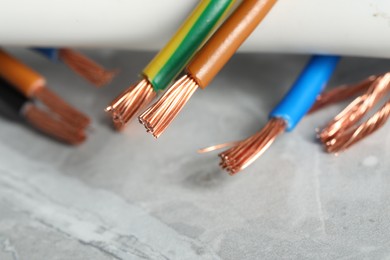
357	109
246	152
341	93
130	103
52	126
159	116
353	135
86	67
58	106
217	147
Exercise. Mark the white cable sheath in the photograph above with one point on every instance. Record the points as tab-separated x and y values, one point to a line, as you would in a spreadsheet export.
346	27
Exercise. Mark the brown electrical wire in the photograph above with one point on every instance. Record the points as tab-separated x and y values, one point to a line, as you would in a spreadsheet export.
86	67
52	126
130	102
342	132
247	151
207	63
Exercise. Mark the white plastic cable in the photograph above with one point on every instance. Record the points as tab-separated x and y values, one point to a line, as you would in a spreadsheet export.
346	27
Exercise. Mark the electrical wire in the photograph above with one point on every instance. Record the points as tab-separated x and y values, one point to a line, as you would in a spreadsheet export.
169	62
80	64
33	85
285	116
344	130
206	63
39	118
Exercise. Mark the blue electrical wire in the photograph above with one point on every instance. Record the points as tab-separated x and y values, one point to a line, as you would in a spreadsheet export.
51	53
303	93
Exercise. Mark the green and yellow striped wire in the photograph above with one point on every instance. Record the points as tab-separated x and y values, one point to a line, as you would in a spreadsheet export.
171	60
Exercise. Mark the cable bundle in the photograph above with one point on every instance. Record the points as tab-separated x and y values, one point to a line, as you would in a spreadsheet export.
169	61
199	49
206	64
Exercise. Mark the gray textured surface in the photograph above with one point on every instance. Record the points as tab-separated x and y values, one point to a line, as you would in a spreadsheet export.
128	196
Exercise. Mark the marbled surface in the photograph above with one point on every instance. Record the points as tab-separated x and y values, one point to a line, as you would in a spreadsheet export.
128	196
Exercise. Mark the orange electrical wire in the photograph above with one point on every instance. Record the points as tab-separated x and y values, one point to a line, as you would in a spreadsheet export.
33	85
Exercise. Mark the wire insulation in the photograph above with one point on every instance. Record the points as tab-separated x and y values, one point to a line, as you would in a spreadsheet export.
25	79
227	39
303	93
174	56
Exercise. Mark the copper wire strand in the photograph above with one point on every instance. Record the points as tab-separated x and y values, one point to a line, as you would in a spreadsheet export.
343	131
130	103
247	151
357	109
52	126
217	147
353	135
58	106
341	93
159	116
86	67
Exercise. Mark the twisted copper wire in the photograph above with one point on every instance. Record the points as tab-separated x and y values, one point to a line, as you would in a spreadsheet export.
247	151
86	67
53	126
357	109
341	93
57	105
130	102
158	117
354	134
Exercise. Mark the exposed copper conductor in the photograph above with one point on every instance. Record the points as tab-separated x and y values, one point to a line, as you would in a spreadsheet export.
69	114
341	93
357	109
342	132
86	67
158	117
247	151
355	134
130	102
217	147
52	126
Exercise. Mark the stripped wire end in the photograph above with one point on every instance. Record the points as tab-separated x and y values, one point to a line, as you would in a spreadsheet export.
52	126
353	135
160	115
343	131
341	93
130	102
86	67
65	111
247	151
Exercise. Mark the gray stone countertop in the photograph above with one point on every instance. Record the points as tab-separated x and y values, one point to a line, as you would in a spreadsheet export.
128	196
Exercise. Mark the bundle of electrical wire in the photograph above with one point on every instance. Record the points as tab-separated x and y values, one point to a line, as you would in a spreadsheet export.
169	62
191	59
